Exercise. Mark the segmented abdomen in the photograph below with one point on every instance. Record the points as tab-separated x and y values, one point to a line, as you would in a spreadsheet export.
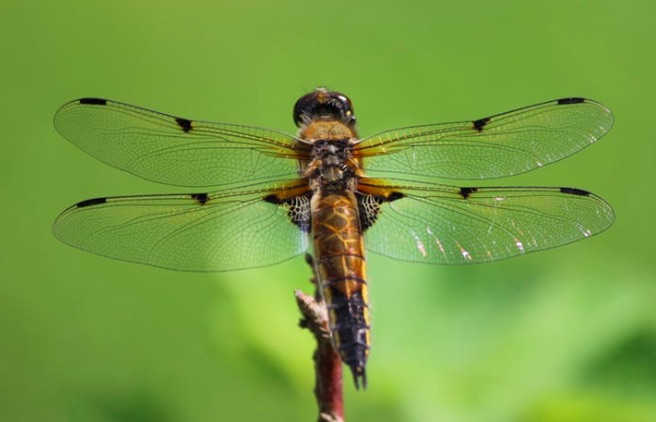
340	265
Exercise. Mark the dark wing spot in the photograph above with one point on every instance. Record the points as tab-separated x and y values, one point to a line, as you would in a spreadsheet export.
571	100
93	101
202	198
394	196
90	202
299	212
575	191
185	124
272	199
465	192
480	123
368	209
298	209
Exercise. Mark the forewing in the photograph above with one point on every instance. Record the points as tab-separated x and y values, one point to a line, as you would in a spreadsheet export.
448	225
174	150
496	146
200	232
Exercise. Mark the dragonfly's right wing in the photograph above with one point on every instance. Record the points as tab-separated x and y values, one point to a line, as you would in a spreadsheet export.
496	146
441	224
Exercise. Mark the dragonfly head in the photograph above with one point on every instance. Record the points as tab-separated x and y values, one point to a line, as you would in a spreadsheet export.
322	104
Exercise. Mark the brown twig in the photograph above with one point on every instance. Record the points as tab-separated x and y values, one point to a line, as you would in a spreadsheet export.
328	388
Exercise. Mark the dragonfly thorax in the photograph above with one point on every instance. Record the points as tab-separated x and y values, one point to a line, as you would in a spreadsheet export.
332	168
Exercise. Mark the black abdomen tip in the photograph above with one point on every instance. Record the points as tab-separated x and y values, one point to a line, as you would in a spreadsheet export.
359	376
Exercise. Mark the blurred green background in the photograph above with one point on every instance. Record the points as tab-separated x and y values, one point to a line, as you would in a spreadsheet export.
564	335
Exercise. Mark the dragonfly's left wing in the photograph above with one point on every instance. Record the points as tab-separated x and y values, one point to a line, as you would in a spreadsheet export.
197	232
439	224
496	146
175	150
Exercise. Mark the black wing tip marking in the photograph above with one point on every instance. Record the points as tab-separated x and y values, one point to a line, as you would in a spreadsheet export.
480	123
91	202
92	101
202	198
575	191
571	100
185	124
465	192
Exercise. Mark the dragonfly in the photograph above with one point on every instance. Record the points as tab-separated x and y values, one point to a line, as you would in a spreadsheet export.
264	196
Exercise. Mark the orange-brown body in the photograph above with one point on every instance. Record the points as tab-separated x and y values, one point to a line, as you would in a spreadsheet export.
340	267
338	245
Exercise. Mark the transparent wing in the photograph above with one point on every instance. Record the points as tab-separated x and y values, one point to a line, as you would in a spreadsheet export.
199	232
496	146
438	224
174	150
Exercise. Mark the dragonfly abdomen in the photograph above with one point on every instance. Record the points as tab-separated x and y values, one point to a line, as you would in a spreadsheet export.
341	272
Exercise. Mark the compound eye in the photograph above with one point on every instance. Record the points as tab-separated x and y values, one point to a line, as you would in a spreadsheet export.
346	103
304	106
323	104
